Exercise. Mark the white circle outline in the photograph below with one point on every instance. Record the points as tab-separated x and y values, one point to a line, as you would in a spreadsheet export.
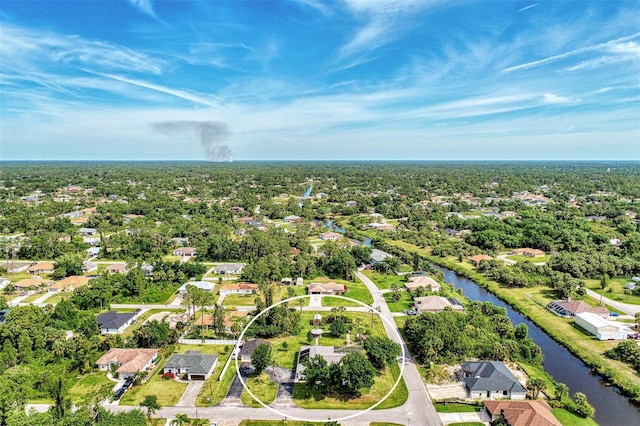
372	309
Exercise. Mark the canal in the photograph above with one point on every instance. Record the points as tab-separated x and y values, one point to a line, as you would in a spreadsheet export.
612	408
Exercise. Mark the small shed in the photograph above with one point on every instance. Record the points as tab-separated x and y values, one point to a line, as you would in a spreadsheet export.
602	329
317	319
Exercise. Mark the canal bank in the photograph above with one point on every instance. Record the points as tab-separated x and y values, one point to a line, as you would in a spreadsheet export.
612	407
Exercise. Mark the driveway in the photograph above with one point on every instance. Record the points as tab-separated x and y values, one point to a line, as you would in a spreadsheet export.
315	301
190	394
235	391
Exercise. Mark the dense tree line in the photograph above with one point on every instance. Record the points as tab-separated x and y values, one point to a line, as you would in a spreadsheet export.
483	331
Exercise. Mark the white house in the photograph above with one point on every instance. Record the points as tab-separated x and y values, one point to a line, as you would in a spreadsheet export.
229	268
602	329
129	361
202	285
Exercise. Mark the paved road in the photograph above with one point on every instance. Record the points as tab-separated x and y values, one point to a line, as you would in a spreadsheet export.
624	307
418	406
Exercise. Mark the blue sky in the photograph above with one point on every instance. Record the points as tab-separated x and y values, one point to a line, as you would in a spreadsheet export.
312	80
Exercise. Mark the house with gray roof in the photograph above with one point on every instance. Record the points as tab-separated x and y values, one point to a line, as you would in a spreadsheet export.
228	268
192	363
378	256
113	322
491	380
249	346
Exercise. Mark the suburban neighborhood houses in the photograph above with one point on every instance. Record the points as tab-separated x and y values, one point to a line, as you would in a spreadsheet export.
137	301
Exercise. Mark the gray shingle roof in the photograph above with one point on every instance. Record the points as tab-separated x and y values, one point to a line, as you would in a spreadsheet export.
491	376
194	361
113	319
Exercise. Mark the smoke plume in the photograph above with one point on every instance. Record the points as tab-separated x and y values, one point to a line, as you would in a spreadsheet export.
212	134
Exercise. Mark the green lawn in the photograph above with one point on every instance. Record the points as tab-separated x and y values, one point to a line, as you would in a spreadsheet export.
57	297
239	300
615	290
540	259
405	302
167	391
89	383
443	407
262	387
567	418
384	281
355	290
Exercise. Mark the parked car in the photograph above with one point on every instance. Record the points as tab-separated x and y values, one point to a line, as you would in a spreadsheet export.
119	393
614	314
410	312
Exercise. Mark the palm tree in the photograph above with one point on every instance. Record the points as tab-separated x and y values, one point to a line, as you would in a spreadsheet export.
180	420
150	402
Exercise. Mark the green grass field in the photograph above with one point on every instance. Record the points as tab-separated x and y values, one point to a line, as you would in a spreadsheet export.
239	300
540	259
355	290
615	290
443	407
405	302
262	387
567	418
87	384
385	281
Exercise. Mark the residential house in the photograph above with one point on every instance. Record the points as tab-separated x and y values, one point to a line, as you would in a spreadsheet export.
330	236
521	413
229	268
292	219
530	252
32	283
147	269
249	346
326	288
93	252
117	268
207	286
185	251
245	219
192	363
3	315
631	285
68	284
351	204
113	322
570	308
382	227
180	241
454	233
475	260
88	266
491	380
602	329
299	281
422	281
436	304
129	361
329	353
239	288
87	232
378	256
92	241
286	281
41	268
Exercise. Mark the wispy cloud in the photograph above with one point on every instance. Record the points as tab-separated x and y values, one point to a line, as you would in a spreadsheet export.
162	89
613	44
527	7
144	6
317	5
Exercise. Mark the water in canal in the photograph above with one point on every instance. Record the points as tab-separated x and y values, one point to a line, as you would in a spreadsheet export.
612	408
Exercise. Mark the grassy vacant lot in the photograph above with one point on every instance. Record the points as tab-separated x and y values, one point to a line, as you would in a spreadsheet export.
307	398
443	407
615	290
87	384
240	300
355	290
384	281
569	419
57	297
262	387
405	302
540	259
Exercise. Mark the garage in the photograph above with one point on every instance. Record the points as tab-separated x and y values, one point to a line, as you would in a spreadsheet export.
196	377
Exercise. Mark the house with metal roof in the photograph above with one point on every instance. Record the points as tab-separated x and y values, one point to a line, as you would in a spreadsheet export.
491	380
601	328
192	363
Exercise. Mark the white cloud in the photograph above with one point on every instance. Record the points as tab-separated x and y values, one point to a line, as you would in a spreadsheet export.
145	6
527	7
